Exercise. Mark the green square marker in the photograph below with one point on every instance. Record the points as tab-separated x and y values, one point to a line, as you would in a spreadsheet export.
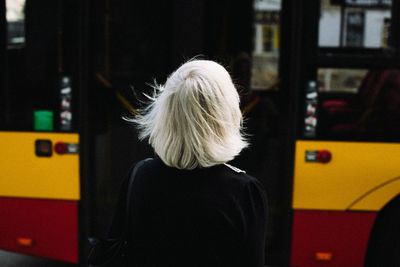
43	120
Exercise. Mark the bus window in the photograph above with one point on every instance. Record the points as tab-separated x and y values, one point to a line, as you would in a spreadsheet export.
15	16
359	104
355	24
266	45
40	66
340	80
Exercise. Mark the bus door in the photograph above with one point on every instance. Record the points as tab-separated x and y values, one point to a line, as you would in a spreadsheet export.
346	183
40	189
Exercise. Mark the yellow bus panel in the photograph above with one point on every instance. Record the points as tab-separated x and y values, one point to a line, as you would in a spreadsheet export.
360	176
26	175
379	197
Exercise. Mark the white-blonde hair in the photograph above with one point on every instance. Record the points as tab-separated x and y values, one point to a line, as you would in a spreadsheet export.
194	119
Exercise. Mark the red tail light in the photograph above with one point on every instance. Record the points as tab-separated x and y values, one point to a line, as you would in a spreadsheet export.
61	148
324	156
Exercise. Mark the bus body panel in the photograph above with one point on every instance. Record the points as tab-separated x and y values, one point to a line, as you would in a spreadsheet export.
27	175
45	228
330	238
379	196
356	170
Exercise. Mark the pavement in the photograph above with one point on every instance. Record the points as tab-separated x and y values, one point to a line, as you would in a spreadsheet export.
11	259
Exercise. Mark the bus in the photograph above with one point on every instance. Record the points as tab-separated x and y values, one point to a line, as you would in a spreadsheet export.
346	176
319	87
41	166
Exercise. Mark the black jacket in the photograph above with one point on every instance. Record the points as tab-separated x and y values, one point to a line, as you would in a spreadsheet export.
204	217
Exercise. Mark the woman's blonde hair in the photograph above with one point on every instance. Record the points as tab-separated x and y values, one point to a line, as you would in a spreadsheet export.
194	119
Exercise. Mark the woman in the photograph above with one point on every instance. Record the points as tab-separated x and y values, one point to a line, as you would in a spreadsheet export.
189	207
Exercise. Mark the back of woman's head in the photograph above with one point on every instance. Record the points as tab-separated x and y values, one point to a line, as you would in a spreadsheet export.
194	120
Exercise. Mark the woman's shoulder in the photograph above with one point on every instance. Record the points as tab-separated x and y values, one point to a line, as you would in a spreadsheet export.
144	165
247	189
234	173
238	179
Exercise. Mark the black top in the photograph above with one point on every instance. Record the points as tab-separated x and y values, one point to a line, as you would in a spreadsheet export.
204	217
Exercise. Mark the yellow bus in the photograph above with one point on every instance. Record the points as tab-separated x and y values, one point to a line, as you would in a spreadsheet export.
41	166
325	128
346	172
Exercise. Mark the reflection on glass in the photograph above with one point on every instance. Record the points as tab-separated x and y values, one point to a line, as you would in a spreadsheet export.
340	80
15	21
264	72
362	24
368	2
359	105
329	25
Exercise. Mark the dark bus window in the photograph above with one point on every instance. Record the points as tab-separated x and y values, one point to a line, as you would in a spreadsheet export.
361	104
354	24
40	80
15	16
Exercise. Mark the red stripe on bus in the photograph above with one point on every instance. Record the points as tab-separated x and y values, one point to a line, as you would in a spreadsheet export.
330	238
50	226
